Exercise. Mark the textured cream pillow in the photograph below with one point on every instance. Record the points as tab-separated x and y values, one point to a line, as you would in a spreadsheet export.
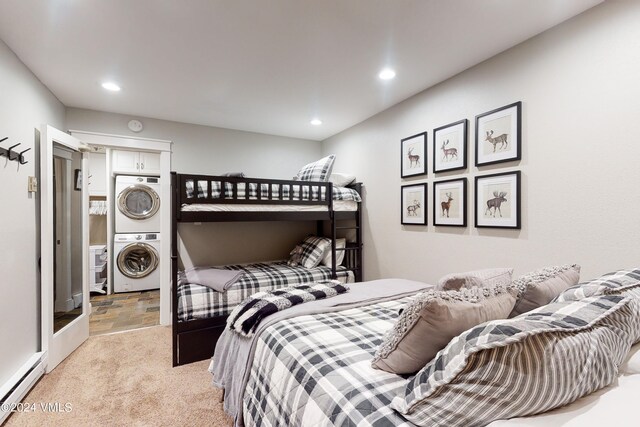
478	278
432	319
540	287
340	244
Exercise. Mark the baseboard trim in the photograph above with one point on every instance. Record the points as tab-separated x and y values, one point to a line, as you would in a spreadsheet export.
20	383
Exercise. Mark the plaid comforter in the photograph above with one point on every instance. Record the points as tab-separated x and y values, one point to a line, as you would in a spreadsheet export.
289	192
245	318
324	377
200	302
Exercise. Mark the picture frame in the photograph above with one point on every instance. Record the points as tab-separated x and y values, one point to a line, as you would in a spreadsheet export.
450	203
498	135
497	200
413	204
413	155
450	146
77	180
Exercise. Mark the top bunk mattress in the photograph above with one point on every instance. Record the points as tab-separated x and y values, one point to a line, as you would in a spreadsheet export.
338	205
344	199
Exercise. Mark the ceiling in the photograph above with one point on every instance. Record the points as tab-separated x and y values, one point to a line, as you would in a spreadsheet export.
262	66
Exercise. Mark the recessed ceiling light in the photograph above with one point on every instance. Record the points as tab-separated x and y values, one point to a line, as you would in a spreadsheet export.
111	86
387	74
316	122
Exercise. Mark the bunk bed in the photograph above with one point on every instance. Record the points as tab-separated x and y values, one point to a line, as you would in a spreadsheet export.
207	198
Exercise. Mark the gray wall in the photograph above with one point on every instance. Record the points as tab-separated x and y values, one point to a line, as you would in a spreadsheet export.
24	105
579	86
210	150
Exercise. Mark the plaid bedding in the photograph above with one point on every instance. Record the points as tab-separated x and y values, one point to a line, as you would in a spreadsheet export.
605	284
200	302
316	370
245	318
289	192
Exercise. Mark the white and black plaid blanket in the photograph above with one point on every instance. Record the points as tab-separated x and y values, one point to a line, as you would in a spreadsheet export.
245	318
315	370
201	302
212	189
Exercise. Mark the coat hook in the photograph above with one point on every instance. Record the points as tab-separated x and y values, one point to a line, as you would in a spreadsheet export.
11	153
4	139
21	157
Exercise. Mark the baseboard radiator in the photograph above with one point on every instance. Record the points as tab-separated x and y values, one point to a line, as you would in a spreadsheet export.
19	384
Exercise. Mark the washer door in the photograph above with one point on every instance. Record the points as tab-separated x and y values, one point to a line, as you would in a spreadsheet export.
138	202
137	260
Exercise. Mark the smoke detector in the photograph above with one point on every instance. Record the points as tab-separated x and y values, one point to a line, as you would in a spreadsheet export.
135	126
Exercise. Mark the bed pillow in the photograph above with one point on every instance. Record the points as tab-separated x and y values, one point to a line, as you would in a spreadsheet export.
312	250
601	285
340	244
341	179
317	171
530	364
478	278
540	287
432	319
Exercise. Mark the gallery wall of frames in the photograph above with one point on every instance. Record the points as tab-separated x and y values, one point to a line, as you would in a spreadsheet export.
496	195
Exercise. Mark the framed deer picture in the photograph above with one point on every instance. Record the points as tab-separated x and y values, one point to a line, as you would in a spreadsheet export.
414	204
497	203
413	155
450	147
450	203
498	135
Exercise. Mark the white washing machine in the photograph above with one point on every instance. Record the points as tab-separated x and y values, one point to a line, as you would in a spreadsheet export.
138	204
136	262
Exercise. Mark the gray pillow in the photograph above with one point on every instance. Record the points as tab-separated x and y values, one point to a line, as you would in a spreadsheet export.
432	319
540	287
523	366
602	285
478	278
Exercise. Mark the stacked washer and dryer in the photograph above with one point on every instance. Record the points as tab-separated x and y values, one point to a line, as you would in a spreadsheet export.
136	242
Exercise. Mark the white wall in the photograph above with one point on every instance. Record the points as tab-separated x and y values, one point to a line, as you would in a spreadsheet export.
24	105
209	150
580	164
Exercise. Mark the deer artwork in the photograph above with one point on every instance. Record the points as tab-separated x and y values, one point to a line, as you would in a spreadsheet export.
413	158
500	139
448	152
495	203
412	210
446	205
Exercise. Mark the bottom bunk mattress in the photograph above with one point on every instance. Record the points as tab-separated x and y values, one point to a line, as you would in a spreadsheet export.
201	302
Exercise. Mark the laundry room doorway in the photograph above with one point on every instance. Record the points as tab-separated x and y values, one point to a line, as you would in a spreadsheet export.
129	213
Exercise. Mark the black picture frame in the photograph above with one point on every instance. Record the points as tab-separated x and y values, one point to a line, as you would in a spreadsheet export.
462	162
482	159
406	212
515	203
438	208
77	180
405	155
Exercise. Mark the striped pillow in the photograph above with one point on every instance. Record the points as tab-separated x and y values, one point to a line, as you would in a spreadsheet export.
317	171
312	250
523	366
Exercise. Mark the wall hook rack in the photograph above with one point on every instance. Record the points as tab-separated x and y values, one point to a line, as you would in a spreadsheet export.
13	155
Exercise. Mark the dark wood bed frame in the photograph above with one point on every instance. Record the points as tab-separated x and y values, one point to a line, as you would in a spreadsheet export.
195	340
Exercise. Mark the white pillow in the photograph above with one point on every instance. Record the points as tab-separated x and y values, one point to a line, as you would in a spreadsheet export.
341	179
340	243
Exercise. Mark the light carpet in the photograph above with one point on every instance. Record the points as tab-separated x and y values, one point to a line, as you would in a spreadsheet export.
126	379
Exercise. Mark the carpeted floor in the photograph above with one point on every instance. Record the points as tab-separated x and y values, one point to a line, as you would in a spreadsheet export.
126	379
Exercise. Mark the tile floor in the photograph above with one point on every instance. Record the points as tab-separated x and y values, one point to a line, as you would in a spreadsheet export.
122	312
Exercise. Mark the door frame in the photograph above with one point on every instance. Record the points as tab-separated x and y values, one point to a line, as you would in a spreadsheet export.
56	347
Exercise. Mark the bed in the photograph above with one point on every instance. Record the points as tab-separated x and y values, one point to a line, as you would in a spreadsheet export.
200	313
312	366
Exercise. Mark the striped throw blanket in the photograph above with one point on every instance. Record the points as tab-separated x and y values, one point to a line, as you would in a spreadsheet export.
245	318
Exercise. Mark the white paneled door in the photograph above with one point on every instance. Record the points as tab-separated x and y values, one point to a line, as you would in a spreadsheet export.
65	245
